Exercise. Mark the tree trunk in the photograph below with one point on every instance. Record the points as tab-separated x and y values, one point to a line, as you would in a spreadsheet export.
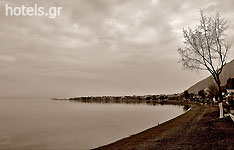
220	89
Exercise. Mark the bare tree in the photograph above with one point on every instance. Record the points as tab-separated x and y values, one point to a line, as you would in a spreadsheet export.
212	90
206	47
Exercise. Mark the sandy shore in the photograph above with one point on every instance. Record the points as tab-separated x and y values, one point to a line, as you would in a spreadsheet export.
199	128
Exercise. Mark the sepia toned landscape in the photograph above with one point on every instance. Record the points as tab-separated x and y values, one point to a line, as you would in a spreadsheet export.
116	74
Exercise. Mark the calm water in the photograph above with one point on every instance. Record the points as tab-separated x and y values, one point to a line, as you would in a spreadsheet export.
47	124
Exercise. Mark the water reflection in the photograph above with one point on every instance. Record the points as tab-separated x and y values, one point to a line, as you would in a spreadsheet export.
128	101
47	124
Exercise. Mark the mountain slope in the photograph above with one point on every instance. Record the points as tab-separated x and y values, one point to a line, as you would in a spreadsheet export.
228	72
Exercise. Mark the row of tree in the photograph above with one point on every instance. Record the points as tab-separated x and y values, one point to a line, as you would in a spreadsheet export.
211	92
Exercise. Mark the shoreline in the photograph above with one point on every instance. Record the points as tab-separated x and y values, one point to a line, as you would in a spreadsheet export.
120	144
198	128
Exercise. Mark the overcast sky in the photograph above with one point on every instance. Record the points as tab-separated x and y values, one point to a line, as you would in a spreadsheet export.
101	47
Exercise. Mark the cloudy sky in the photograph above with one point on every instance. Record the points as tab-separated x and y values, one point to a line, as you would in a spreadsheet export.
100	47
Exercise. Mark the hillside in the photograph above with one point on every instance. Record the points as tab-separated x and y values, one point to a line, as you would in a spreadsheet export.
228	72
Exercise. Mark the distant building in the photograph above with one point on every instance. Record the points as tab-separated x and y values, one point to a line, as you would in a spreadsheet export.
230	92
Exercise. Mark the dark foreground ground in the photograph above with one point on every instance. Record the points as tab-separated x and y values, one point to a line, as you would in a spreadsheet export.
199	128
